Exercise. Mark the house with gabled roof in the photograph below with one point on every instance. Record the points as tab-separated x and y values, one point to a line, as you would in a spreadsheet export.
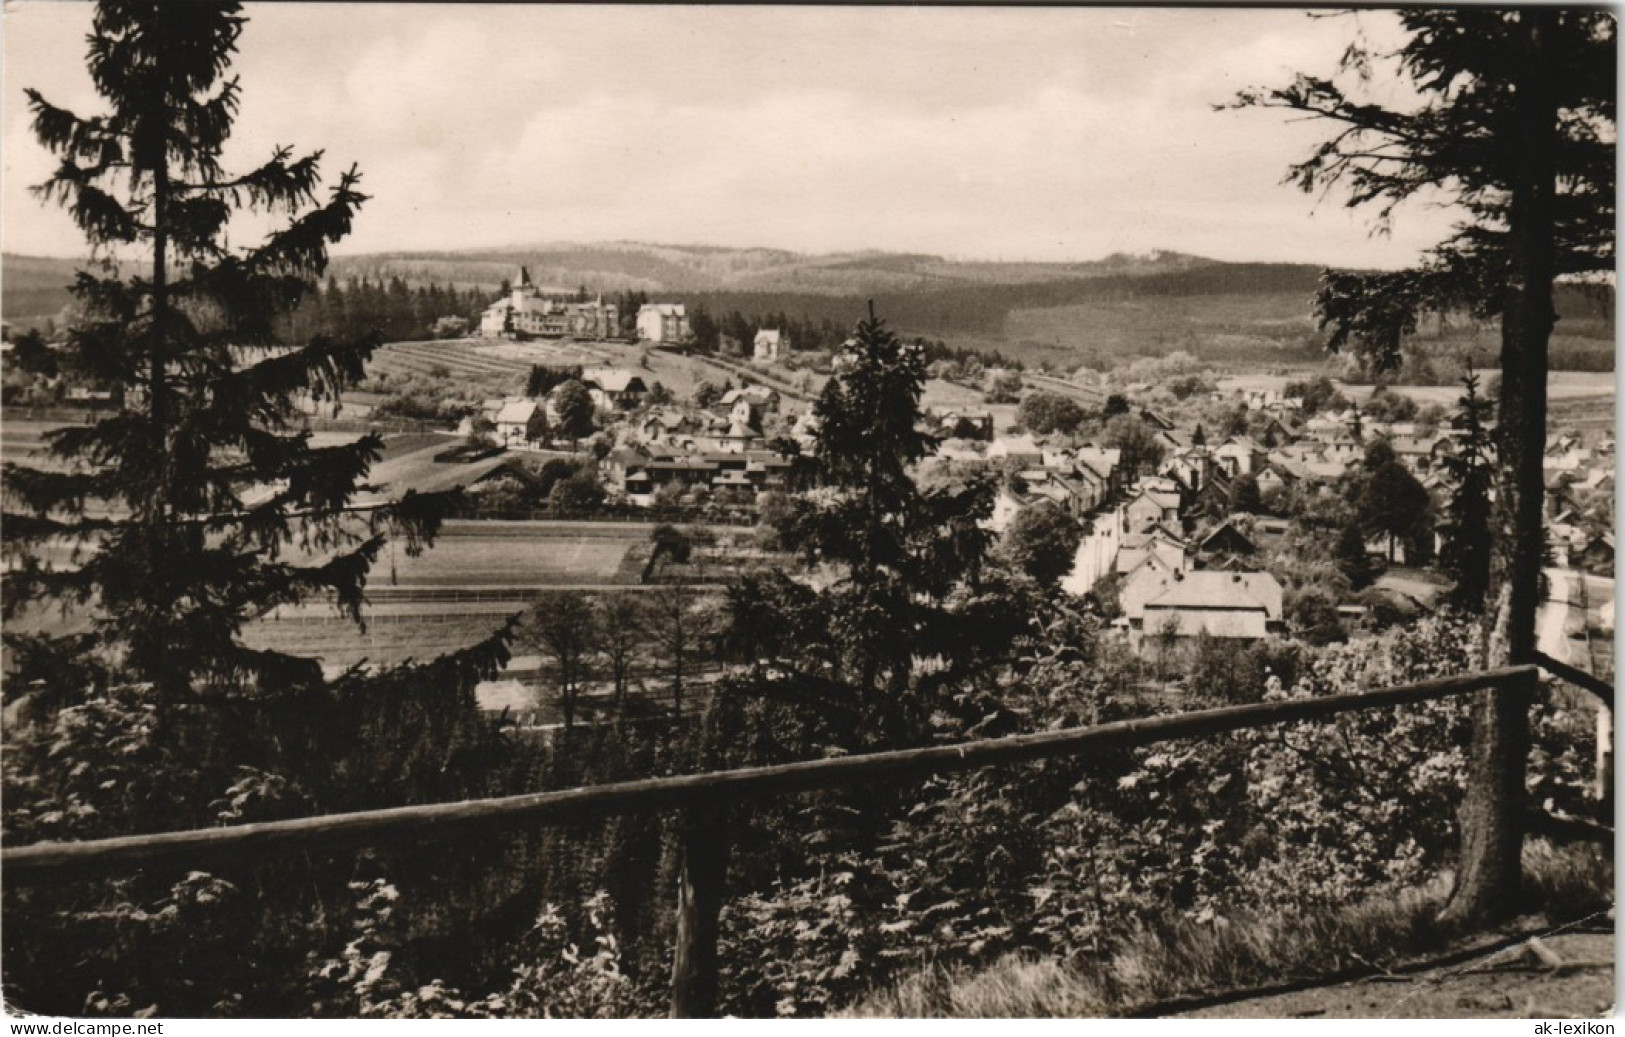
1171	607
614	388
1276	475
770	345
738	438
1240	454
1224	540
1102	459
1156	547
1415	452
759	396
1022	449
513	421
1190	468
1277	430
661	425
1213	499
1151	507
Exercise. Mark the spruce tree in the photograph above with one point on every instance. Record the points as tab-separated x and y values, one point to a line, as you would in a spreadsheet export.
1514	118
1468	513
907	567
202	503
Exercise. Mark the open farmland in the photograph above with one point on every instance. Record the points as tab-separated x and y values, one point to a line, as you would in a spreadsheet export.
455	362
460	590
1575	398
390	638
479	554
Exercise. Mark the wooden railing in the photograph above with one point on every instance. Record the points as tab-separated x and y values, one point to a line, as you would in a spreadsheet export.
1577	677
701	799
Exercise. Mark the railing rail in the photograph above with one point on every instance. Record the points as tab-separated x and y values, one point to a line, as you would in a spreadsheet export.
700	797
1577	677
441	820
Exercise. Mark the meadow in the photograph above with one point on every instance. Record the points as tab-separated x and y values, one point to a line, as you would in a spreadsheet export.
478	554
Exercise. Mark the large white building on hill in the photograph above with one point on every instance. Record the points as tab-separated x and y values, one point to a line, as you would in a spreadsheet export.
663	322
533	312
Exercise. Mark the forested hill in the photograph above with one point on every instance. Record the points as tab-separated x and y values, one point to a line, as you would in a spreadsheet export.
951	291
981	307
1064	313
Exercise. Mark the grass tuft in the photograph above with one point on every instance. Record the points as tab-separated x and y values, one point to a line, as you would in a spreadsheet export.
1178	959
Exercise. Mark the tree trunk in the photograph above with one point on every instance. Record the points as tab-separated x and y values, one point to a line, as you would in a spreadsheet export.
1489	877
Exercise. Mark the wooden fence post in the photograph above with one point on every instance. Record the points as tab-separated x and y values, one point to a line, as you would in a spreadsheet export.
699	906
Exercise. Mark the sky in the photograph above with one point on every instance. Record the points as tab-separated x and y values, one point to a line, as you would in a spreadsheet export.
973	133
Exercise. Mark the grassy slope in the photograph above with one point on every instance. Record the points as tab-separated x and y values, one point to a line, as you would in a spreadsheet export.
1178	959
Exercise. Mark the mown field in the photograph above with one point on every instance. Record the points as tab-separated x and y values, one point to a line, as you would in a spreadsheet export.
517	554
391	637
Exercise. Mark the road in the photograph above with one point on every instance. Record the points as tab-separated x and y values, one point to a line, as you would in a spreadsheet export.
1554	613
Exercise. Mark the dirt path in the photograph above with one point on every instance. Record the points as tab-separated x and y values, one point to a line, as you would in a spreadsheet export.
1563	976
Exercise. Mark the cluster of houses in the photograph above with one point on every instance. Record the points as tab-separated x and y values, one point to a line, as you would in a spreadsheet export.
531	311
1174	586
1573	472
1185	566
612	389
720	448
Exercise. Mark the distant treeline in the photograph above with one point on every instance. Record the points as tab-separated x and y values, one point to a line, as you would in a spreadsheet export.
356	307
738	329
981	309
715	334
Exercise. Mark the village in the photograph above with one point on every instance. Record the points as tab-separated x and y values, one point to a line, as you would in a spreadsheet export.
877	512
1228	510
1185	504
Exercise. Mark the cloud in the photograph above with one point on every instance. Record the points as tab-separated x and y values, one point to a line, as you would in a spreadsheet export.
1047	133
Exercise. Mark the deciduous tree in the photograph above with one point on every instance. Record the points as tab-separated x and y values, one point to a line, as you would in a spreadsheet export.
563	626
574	406
1046	412
1042	541
1141	450
1395	505
622	632
678	618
